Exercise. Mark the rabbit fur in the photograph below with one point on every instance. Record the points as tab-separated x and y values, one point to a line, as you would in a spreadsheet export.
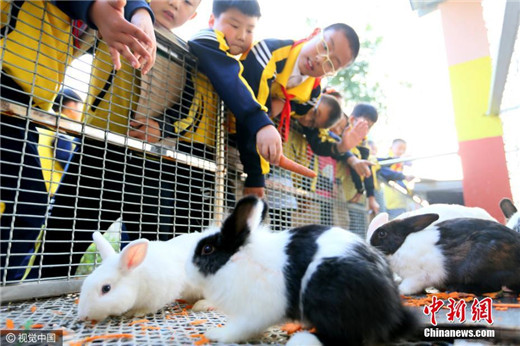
462	254
445	212
141	279
325	277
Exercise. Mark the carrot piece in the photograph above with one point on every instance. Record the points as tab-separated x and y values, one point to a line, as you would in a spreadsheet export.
33	308
296	167
506	305
76	301
196	322
37	326
9	324
144	320
291	328
196	335
491	295
203	340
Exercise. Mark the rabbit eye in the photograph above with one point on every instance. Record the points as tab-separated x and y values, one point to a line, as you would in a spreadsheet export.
382	234
208	249
105	289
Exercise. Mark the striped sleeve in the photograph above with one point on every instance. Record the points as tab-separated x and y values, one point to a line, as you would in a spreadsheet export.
225	73
261	66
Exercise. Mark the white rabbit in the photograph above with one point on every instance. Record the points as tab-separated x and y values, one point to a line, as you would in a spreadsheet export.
325	277
511	213
445	212
141	279
462	254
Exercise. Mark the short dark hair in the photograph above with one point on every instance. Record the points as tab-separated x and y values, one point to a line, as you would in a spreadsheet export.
332	92
65	96
335	109
250	8
350	34
364	110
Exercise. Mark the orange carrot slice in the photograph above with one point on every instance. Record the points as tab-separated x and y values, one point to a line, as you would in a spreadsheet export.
138	321
202	341
506	305
196	322
291	328
296	167
9	324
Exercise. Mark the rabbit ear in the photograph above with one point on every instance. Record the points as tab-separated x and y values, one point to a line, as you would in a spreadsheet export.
133	254
104	247
377	222
249	213
417	223
508	208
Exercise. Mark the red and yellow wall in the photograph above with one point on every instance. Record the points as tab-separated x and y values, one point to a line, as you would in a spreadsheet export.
481	147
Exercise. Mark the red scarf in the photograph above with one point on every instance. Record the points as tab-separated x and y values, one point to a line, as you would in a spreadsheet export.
285	116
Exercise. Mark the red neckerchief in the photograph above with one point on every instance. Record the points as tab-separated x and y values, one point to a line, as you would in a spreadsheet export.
285	116
78	28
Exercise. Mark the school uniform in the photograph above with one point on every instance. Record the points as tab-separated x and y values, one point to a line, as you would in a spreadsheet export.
226	74
268	67
33	67
151	193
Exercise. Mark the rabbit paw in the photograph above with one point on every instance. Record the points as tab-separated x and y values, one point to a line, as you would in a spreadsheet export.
410	286
227	334
303	339
203	305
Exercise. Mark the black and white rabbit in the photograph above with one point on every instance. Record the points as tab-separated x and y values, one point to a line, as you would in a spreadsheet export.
325	277
462	254
511	214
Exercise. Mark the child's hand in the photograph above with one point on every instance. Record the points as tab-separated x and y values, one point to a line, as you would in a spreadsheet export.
269	144
145	128
122	37
373	206
141	18
257	191
353	136
362	167
356	198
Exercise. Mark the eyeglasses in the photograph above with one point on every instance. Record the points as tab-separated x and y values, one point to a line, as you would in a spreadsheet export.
323	51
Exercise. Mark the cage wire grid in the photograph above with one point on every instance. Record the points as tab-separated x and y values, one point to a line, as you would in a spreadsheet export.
198	169
194	163
175	324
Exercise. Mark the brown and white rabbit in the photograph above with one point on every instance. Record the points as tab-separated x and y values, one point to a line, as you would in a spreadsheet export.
141	279
511	213
462	254
325	277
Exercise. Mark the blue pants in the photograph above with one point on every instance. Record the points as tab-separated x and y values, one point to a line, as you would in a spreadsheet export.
23	192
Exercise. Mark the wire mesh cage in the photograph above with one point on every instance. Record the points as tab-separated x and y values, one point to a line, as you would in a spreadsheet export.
149	156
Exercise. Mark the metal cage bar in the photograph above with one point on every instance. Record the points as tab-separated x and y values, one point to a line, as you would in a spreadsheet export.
128	186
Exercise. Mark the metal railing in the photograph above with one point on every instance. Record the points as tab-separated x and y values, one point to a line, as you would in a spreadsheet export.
183	182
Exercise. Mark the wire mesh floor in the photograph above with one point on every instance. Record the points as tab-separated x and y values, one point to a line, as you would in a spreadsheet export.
173	325
177	324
